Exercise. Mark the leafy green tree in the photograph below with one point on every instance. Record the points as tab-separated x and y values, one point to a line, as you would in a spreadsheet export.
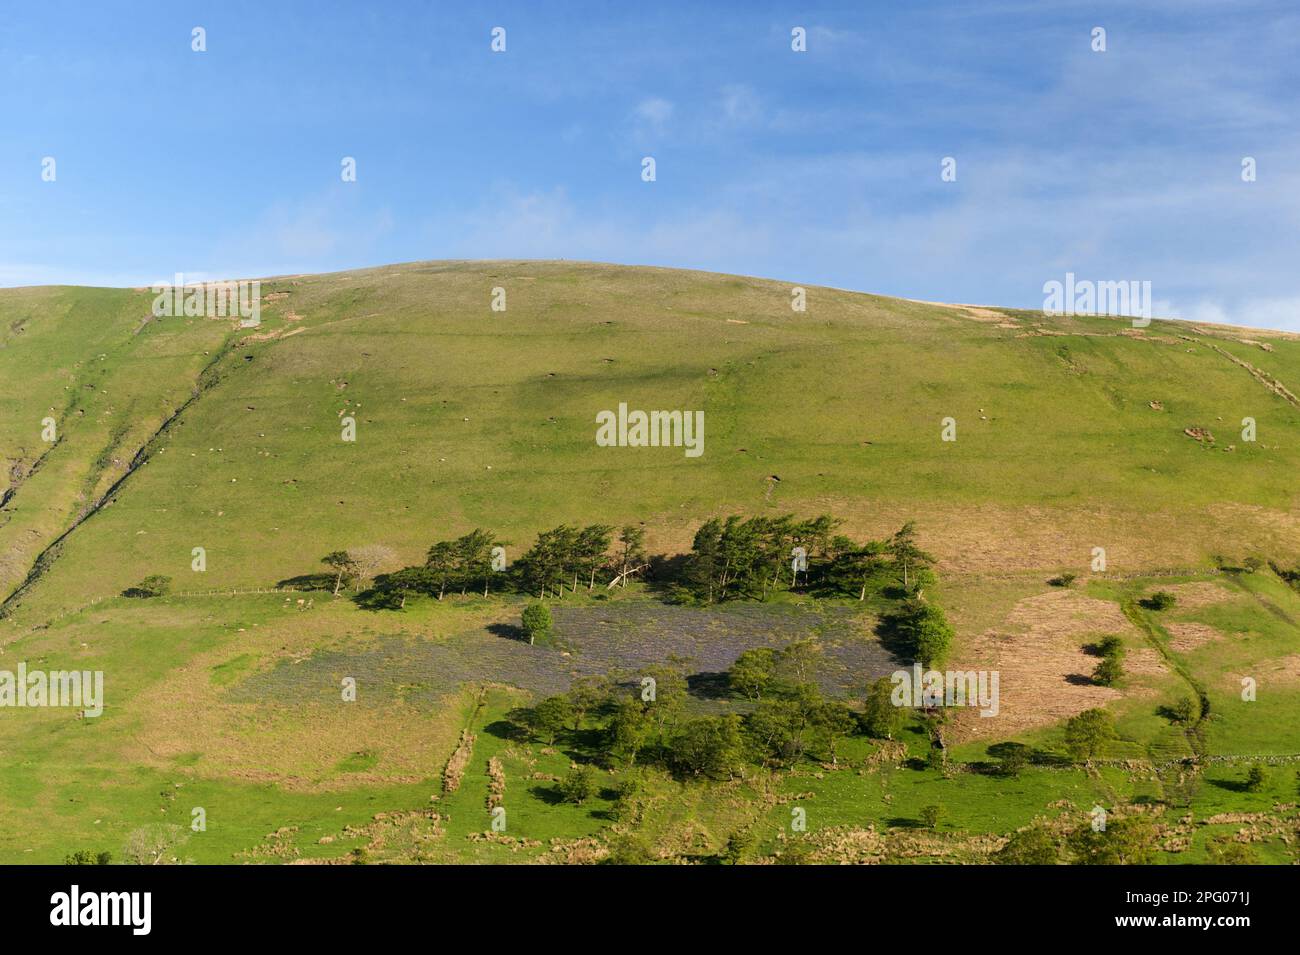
579	785
705	568
881	719
628	731
537	622
1031	846
1011	757
738	843
671	692
1184	710
753	672
924	631
587	695
796	664
1087	733
778	729
1129	840
832	721
930	815
708	746
549	718
1109	671
547	564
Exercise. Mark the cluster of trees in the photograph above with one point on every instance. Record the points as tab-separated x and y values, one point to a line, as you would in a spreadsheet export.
750	558
1126	840
624	721
564	557
730	558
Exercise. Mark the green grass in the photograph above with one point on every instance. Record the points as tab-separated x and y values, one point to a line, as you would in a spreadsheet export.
469	418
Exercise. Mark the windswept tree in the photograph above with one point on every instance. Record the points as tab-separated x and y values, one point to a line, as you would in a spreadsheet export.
344	566
907	555
545	566
473	559
631	553
855	566
593	546
441	562
404	583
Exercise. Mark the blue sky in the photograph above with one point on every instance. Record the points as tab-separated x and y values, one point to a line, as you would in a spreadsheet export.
820	167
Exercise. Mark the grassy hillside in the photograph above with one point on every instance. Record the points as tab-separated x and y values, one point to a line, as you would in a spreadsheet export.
177	433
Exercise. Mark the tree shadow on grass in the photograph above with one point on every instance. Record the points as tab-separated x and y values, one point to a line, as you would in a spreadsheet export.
892	639
549	794
709	686
508	630
309	582
902	822
507	730
1231	785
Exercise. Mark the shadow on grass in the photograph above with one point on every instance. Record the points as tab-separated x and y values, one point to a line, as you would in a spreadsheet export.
508	630
709	686
309	582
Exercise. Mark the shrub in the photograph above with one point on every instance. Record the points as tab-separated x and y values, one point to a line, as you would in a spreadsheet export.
1184	711
1032	846
1111	669
1255	779
930	815
1063	580
1160	600
155	585
1110	645
86	857
1225	850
